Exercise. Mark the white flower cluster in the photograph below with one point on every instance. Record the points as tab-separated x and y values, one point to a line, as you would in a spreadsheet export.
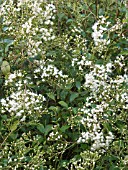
22	103
61	146
98	33
117	26
104	90
119	62
13	76
82	63
86	161
27	30
95	133
46	71
54	136
98	76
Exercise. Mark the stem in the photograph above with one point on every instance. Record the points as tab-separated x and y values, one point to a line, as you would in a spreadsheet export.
6	138
117	12
96	2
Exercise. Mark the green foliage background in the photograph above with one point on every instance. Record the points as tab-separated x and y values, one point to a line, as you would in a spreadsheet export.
57	85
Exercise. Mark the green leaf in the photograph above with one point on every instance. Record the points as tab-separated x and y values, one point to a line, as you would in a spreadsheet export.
47	129
64	104
14	125
69	20
114	168
1	81
107	126
78	85
124	53
53	108
63	94
64	128
40	127
75	110
5	67
73	96
1	59
4	117
14	136
62	16
68	86
51	96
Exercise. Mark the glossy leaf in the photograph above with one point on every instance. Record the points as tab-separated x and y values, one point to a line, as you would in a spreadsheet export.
64	104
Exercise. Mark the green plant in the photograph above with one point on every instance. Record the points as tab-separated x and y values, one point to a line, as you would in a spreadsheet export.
63	81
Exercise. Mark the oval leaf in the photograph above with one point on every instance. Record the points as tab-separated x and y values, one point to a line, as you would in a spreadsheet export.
78	85
40	127
47	129
51	96
5	68
73	96
64	104
14	125
64	128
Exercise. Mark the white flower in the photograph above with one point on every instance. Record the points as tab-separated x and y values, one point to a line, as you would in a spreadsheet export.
47	22
94	27
23	118
79	140
3	102
18	114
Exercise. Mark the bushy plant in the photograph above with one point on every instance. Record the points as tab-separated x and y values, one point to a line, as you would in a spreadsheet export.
63	81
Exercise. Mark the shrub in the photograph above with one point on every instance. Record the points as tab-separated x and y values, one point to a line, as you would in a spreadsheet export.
63	82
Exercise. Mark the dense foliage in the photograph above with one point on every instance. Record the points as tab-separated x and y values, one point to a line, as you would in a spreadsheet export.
63	85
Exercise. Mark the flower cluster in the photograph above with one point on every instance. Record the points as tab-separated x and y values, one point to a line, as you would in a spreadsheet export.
98	33
46	71
21	101
30	36
94	131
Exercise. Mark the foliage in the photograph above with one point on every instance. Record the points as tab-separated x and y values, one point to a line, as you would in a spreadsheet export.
63	81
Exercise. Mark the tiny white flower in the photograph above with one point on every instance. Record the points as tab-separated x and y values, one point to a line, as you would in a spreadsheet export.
23	118
18	114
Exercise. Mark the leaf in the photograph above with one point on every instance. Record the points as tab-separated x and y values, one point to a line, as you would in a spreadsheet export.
75	110
8	41
114	167
62	16
51	96
64	128
78	85
73	96
47	129
14	125
40	127
1	81
54	109
14	135
124	53
4	117
5	28
69	20
107	126
68	86
64	104
63	94
1	59
5	67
